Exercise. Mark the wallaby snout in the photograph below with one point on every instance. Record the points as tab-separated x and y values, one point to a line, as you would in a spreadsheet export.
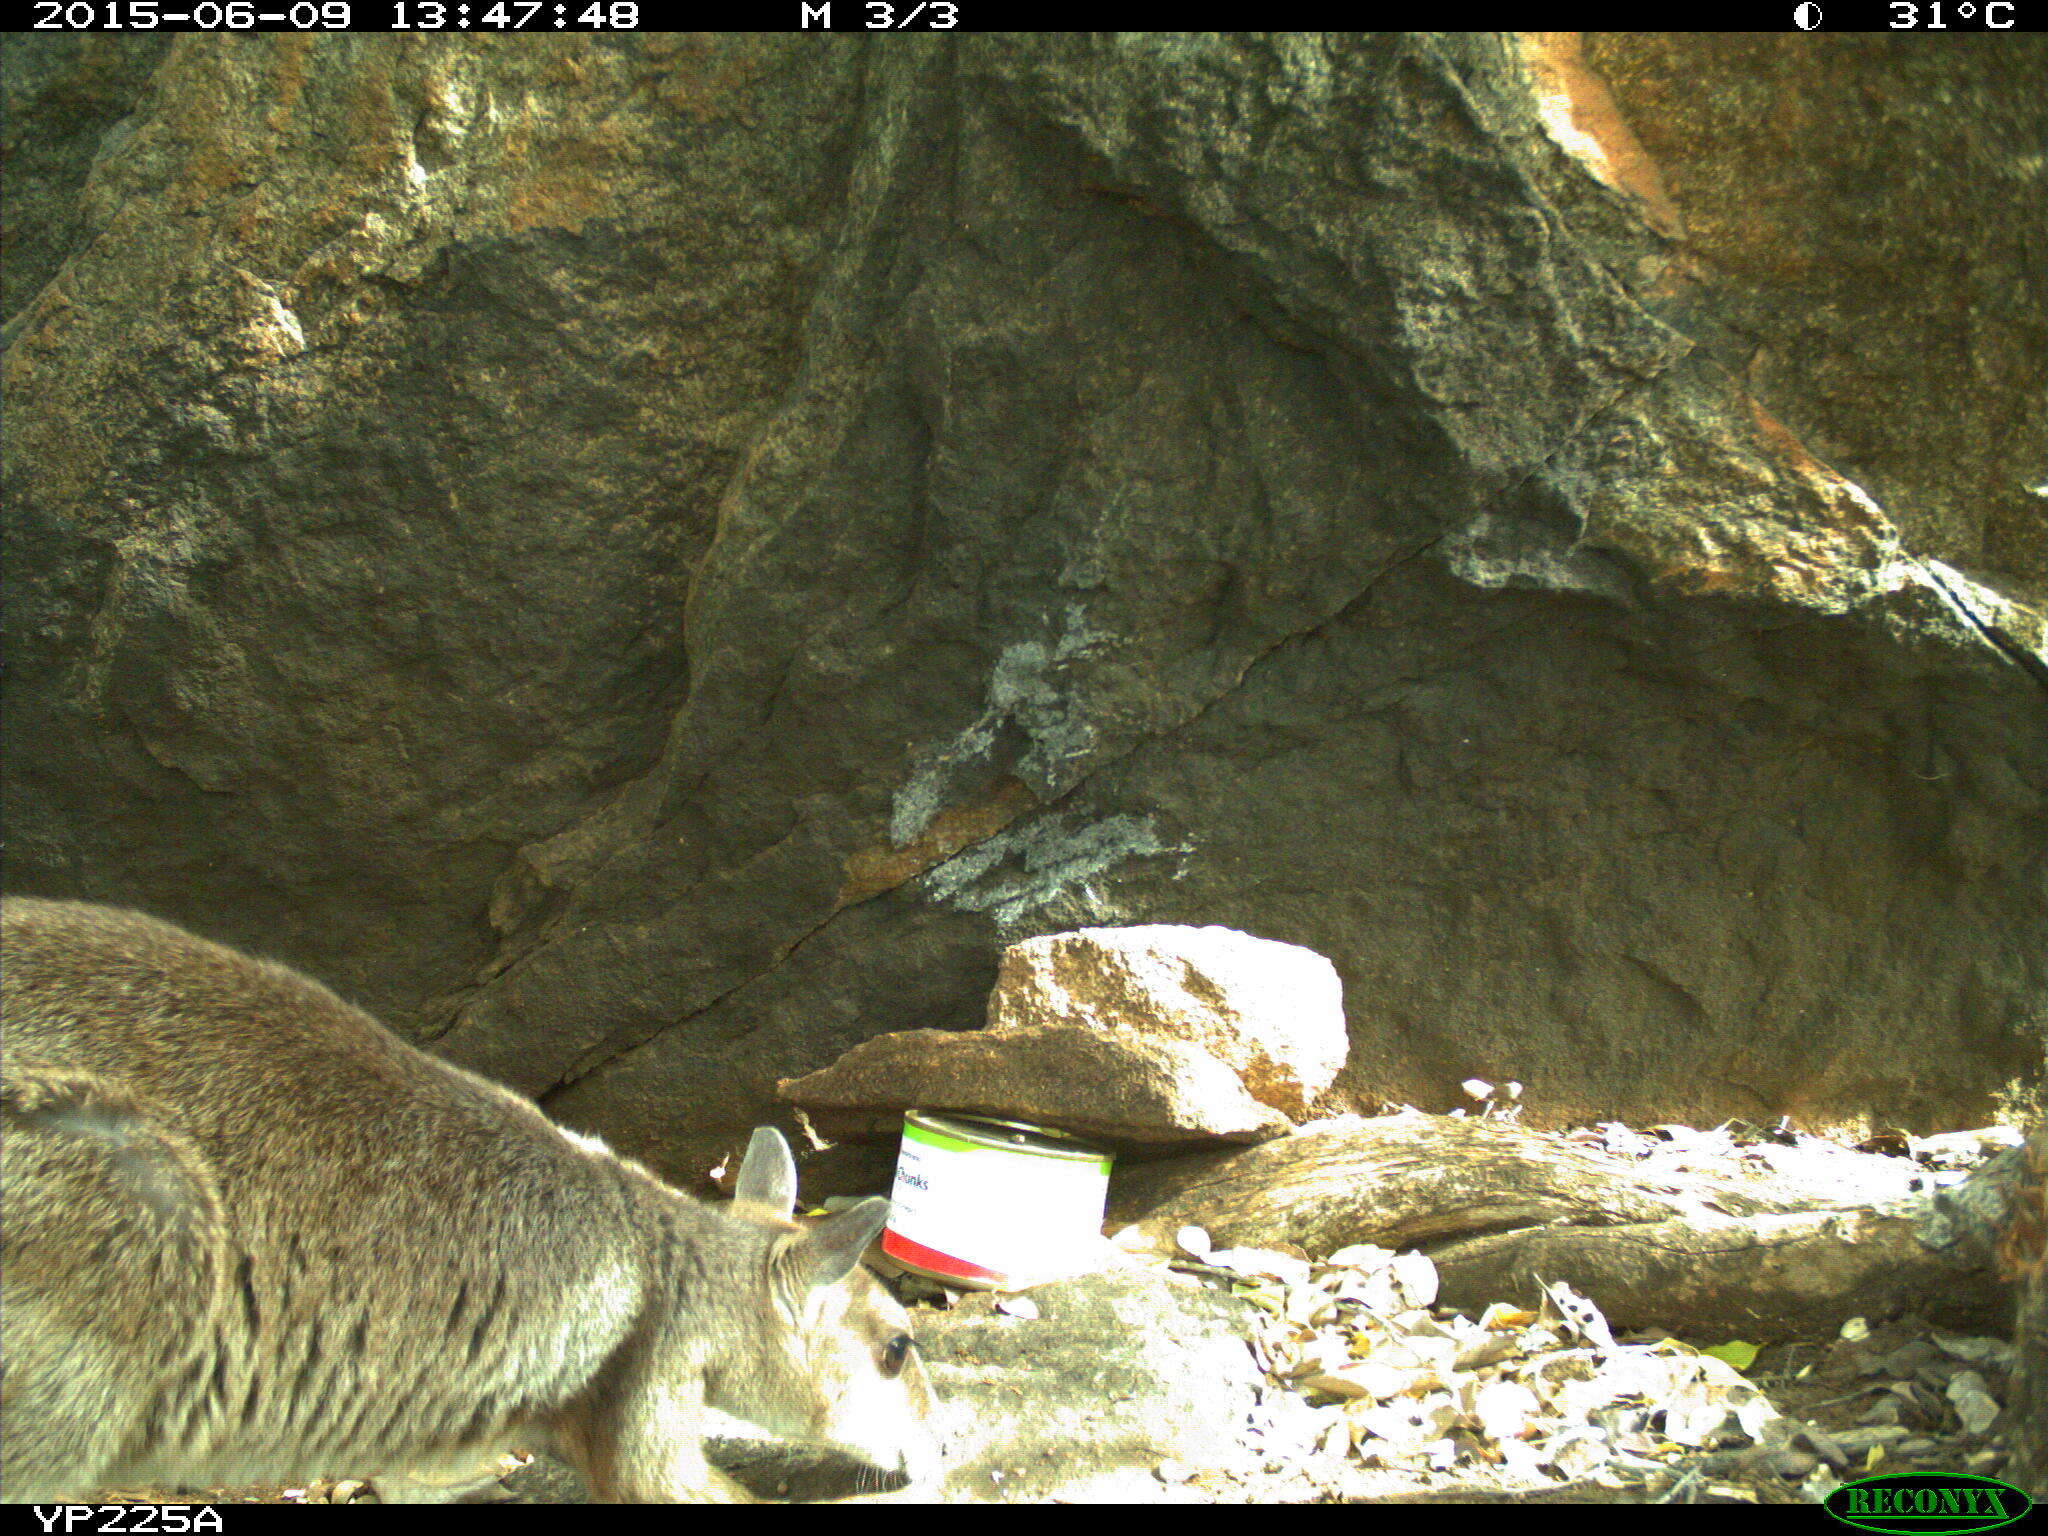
249	1234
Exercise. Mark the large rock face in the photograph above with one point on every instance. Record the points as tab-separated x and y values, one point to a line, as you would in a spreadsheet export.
647	561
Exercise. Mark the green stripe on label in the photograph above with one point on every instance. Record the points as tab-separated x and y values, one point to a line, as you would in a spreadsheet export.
926	1136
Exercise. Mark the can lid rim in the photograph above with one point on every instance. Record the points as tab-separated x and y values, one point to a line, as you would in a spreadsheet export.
943	1117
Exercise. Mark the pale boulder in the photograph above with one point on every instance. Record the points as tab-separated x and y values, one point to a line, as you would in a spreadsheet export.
1272	1013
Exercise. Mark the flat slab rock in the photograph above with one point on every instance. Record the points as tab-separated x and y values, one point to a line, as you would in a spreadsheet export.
1067	1077
1158	1033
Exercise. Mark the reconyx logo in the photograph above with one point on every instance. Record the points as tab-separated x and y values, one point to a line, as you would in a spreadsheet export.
1948	1502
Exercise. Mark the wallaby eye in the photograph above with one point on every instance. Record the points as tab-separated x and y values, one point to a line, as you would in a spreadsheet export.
896	1354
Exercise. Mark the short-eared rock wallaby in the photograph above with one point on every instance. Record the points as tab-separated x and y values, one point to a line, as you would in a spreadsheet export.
252	1235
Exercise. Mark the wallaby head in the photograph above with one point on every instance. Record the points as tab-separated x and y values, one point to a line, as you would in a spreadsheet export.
251	1235
830	1357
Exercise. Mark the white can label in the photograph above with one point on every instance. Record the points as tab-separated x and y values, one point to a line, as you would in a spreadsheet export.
1011	1210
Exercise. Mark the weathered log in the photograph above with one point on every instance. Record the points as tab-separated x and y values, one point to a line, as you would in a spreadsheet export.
1409	1180
1806	1244
1781	1275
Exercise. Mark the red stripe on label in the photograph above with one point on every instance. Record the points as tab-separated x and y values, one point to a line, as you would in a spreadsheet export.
899	1247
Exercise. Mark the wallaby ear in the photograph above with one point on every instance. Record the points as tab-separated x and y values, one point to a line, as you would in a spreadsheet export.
827	1253
767	1175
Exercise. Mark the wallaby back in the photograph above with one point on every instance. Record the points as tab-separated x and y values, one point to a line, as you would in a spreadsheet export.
251	1235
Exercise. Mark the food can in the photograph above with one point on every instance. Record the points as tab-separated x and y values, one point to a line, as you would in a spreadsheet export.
994	1204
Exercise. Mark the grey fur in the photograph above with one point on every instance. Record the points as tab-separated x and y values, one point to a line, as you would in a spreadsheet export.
251	1235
